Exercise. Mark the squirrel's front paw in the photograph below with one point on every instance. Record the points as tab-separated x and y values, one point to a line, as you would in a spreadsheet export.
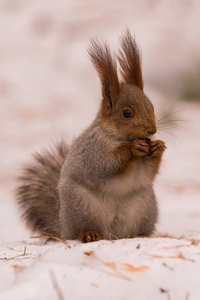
140	148
89	236
157	148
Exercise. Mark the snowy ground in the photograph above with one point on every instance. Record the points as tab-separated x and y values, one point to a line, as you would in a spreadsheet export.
157	268
48	90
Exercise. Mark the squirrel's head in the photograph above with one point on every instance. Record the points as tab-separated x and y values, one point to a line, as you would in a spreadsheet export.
126	111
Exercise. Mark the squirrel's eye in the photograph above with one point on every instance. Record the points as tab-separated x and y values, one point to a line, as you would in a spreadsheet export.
127	113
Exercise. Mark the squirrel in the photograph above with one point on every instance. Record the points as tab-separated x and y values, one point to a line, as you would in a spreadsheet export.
101	185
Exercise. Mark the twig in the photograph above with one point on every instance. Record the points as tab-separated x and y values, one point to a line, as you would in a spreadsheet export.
156	236
19	255
180	256
112	235
177	246
160	235
167	293
47	237
47	233
167	266
56	286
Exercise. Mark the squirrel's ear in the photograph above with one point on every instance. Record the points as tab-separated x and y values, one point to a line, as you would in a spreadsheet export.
130	61
106	68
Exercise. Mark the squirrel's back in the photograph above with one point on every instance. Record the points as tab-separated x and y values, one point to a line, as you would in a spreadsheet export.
37	195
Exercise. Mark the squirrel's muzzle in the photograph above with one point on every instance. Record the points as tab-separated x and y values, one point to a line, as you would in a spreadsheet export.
151	130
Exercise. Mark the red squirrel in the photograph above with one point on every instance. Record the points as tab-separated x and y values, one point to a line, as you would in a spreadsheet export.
102	184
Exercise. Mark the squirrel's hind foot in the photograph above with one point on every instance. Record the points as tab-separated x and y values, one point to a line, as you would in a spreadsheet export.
89	236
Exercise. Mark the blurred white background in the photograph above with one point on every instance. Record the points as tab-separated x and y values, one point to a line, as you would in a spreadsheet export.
49	89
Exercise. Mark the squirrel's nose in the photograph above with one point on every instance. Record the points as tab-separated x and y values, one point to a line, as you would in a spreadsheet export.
151	130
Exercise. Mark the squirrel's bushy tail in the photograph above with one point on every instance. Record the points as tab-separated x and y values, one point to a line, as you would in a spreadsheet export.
37	193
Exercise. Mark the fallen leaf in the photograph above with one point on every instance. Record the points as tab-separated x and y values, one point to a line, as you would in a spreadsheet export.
131	268
111	273
94	284
194	242
112	265
18	267
89	253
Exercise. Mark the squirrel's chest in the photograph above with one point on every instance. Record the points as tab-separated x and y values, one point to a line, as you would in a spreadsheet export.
123	203
123	185
120	218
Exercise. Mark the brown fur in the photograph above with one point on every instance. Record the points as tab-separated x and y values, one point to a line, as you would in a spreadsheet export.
37	193
143	122
107	70
130	61
103	183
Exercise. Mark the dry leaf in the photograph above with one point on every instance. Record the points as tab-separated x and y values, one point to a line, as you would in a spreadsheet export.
113	273
112	265
94	284
18	267
131	268
89	253
194	242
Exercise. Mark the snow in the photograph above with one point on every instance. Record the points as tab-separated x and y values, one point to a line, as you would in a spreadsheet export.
102	270
48	90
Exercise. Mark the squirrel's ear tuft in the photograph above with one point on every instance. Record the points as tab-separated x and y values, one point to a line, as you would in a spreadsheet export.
106	68
130	61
